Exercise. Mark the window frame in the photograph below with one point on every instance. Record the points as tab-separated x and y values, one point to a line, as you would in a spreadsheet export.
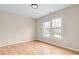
51	30
43	29
61	28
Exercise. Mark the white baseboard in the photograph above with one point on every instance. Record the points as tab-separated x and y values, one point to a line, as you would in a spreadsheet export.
11	43
60	45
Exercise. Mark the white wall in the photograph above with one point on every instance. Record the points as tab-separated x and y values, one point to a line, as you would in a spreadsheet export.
71	28
15	29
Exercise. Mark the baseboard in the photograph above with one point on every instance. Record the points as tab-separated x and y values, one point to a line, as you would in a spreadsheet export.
15	43
69	49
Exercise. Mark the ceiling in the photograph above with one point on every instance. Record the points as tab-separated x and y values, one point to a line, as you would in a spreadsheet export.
26	10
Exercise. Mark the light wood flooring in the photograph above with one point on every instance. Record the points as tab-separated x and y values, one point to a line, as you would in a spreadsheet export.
33	48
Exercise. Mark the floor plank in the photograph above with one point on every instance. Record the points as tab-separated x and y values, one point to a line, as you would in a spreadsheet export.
34	48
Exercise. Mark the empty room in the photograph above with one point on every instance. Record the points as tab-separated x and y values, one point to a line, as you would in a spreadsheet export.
39	29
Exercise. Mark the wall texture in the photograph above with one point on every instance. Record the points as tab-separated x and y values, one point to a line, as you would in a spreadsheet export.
15	29
71	28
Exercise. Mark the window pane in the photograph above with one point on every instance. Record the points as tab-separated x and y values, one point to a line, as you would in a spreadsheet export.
57	27
46	29
46	24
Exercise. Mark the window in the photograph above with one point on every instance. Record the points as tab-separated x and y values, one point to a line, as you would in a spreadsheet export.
53	28
57	28
46	29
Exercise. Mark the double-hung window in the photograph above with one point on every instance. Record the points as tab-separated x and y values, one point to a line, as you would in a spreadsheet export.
57	28
53	28
46	29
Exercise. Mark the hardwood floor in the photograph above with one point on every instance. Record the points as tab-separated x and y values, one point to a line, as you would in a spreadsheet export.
34	48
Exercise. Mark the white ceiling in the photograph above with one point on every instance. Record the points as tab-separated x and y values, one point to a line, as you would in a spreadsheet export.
26	10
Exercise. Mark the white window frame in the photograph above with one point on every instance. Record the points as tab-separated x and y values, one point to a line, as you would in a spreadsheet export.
43	29
61	29
51	33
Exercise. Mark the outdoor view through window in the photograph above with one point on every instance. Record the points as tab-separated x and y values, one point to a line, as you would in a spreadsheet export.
53	28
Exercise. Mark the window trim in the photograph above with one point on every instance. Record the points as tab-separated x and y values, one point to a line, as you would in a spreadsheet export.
62	28
43	29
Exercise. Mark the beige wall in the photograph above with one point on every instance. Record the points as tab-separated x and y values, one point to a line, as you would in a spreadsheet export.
15	29
71	28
